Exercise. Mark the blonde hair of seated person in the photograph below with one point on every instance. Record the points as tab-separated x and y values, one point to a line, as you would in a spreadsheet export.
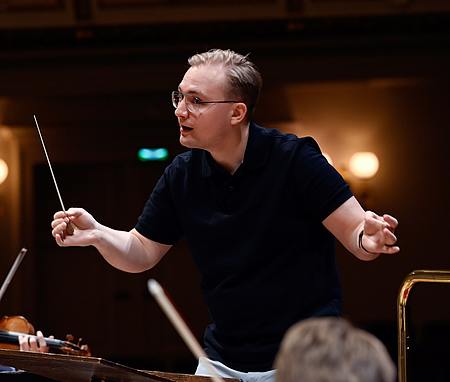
331	349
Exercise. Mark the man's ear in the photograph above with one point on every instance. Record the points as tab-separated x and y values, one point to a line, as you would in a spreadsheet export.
239	113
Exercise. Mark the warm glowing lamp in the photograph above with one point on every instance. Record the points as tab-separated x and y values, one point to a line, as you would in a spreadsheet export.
364	165
3	171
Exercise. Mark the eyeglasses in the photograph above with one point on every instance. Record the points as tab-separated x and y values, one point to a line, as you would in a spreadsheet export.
192	103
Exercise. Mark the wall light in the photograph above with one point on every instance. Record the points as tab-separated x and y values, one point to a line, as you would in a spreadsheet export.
3	171
361	167
364	165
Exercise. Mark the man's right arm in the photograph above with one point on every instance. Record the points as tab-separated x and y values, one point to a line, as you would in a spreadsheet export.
127	251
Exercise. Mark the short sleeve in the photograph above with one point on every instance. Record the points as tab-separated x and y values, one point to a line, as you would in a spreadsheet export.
159	219
321	188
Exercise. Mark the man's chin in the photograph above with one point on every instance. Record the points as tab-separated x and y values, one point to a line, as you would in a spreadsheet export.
185	142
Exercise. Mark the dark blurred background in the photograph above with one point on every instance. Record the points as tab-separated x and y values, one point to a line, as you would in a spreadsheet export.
361	75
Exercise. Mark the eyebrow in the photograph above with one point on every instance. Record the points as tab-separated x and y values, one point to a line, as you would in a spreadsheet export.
192	92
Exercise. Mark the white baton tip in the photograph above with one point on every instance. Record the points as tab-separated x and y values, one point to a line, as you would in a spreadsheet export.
153	287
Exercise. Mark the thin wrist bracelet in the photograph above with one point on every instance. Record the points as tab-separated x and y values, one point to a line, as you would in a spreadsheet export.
360	244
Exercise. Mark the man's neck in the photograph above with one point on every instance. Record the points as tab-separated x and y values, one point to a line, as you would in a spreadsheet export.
231	154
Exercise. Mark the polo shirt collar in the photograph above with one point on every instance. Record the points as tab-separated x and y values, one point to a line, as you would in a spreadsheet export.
256	152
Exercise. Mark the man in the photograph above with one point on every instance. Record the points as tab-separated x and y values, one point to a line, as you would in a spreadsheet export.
258	209
332	350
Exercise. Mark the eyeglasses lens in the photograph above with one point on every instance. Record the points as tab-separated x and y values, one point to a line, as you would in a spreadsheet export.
176	98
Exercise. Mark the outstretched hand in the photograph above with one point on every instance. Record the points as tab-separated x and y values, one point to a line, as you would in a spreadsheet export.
83	223
379	233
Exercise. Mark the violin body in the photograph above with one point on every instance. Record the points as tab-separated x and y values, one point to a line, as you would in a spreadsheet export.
13	327
16	324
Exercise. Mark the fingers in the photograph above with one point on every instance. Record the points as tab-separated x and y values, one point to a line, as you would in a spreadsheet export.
75	212
41	344
23	343
62	224
381	229
390	250
59	230
62	221
33	343
393	222
58	221
373	223
71	213
59	226
73	227
379	222
389	238
58	215
59	240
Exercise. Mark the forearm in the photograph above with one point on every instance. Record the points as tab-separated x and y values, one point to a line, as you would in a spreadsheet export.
124	250
346	223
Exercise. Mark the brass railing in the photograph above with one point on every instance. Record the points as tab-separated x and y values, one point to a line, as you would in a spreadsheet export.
420	276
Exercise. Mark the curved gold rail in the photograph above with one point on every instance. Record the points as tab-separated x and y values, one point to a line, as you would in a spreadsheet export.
420	276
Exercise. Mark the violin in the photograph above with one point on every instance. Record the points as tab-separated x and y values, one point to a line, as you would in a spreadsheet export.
11	327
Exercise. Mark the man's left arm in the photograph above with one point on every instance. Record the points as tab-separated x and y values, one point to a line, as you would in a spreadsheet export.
364	233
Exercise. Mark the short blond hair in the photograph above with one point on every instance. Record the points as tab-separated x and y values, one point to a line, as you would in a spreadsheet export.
244	79
332	350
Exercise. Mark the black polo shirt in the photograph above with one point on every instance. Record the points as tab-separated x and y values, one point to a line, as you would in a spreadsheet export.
265	258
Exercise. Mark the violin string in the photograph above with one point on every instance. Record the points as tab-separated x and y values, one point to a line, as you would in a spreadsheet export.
12	271
49	164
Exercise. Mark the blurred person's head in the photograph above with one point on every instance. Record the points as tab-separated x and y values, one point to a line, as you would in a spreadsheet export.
332	350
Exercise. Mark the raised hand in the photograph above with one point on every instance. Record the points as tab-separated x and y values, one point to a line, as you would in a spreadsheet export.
83	223
378	235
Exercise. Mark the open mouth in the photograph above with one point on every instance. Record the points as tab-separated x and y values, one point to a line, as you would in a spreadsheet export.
186	128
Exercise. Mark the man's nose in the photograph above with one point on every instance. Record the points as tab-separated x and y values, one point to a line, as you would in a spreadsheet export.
181	110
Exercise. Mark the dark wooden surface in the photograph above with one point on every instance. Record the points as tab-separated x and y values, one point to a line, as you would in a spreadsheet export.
69	368
73	368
